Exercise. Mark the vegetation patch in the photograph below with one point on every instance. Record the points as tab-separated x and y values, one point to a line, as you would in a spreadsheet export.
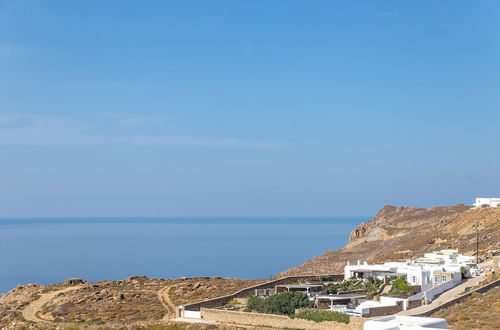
400	286
368	286
318	315
282	304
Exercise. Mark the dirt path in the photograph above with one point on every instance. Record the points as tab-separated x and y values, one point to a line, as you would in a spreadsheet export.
29	312
170	308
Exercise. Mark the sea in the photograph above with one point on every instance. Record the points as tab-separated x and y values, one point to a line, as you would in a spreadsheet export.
48	251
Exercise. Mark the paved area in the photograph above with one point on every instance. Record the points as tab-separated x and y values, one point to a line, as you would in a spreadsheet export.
188	320
445	296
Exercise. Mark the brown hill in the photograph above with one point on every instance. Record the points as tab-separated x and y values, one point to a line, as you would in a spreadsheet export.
399	233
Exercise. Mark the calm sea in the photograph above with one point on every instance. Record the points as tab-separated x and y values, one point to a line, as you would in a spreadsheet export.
50	250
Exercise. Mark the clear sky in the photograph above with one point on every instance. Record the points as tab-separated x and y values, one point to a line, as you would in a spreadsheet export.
251	108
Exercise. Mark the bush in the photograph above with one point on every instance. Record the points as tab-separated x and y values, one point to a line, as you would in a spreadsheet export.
334	288
232	302
400	286
282	304
318	315
255	303
370	284
463	271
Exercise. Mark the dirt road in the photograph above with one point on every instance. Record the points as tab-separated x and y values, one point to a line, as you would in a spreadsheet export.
29	312
170	308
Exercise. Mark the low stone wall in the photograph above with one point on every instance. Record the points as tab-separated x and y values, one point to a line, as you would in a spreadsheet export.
482	289
414	303
384	310
275	321
220	301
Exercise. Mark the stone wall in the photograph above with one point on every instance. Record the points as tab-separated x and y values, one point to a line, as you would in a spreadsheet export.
220	301
275	321
385	310
414	303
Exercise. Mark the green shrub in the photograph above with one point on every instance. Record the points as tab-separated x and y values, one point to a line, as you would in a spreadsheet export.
334	288
400	286
318	315
282	304
370	284
255	303
463	271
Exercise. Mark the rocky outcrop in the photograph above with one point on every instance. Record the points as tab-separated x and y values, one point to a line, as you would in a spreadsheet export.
393	221
399	233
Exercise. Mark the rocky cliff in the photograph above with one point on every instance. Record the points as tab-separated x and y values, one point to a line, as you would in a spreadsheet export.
399	233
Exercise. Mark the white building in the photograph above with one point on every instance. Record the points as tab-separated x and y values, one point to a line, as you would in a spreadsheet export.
487	202
432	269
395	322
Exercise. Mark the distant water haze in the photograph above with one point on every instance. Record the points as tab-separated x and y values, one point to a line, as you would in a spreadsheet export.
50	250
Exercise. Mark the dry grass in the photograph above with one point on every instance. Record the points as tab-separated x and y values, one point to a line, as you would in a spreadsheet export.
197	289
480	311
115	303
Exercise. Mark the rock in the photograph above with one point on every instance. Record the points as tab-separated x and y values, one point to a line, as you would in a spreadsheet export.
197	285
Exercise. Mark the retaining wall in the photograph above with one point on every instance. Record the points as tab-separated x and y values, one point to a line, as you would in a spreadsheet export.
220	301
482	289
384	310
276	321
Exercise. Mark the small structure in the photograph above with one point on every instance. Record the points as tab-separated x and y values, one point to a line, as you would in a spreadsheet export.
332	301
405	322
263	292
309	289
74	281
487	202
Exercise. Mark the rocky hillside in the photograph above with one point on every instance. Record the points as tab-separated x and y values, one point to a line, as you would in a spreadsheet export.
138	302
399	233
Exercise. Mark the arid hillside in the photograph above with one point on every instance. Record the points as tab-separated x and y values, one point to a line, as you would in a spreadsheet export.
138	302
399	233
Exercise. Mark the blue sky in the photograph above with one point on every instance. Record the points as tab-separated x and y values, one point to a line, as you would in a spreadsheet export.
251	108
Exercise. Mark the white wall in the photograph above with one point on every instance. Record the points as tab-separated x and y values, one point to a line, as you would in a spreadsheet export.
192	314
393	301
435	291
491	202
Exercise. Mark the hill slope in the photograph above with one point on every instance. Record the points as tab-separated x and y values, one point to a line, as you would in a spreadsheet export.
399	233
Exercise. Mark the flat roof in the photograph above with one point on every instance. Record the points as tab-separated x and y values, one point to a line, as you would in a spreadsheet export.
341	296
399	321
366	270
300	286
